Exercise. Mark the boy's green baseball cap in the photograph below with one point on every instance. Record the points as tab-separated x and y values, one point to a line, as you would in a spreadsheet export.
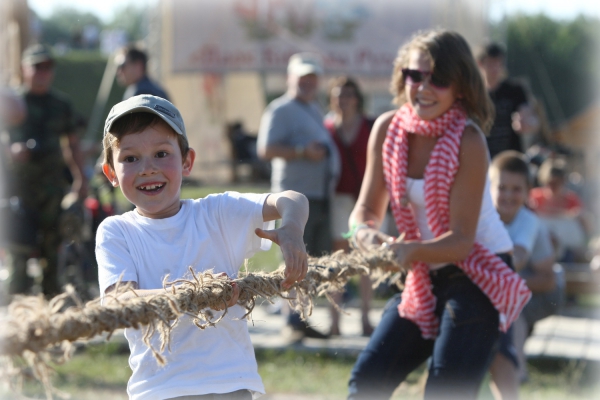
147	103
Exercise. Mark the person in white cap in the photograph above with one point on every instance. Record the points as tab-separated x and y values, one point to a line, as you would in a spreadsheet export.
146	155
303	157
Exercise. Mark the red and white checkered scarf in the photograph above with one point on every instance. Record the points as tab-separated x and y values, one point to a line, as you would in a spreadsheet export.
505	289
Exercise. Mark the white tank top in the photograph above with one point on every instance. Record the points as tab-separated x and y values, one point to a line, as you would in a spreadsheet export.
490	229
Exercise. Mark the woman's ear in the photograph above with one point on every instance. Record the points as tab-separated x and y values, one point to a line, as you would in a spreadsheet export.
110	174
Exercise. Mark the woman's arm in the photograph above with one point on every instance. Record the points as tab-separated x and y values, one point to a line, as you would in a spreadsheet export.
465	204
292	208
373	199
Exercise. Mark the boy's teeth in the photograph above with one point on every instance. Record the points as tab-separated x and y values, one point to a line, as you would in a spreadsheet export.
150	187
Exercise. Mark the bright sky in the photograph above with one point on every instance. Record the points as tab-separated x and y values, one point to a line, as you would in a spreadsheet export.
557	9
104	9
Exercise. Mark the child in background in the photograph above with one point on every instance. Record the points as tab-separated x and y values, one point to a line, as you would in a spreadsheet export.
553	198
146	154
429	159
533	258
561	210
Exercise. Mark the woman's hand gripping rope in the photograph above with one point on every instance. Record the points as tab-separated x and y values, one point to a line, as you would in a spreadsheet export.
366	238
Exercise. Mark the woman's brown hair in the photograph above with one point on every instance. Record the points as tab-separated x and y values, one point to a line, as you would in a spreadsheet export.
451	61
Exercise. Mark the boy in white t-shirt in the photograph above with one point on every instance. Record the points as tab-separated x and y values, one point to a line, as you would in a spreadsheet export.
146	154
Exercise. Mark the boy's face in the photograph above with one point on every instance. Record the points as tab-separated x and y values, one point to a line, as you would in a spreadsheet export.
509	193
149	169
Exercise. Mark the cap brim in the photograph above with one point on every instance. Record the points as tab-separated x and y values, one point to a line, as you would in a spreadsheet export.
143	109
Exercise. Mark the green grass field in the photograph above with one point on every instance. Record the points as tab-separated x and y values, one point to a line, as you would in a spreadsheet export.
101	371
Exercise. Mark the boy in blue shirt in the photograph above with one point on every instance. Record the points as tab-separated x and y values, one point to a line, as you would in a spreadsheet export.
533	259
146	154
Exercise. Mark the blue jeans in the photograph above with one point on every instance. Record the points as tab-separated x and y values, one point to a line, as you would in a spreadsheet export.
459	356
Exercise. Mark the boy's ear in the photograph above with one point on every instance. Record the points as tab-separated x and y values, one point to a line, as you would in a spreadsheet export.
110	174
188	162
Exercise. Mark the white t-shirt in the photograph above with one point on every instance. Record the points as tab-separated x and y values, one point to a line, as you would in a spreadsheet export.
216	233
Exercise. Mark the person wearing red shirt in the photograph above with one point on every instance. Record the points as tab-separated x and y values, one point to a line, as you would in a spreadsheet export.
554	198
350	129
561	209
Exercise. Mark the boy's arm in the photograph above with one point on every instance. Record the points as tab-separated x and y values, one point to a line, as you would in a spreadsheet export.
542	261
523	231
520	257
543	279
292	208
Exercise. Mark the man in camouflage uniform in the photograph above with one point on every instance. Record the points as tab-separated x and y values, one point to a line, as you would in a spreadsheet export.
40	149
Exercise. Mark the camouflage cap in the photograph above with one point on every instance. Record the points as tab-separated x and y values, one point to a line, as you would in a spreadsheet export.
147	103
36	54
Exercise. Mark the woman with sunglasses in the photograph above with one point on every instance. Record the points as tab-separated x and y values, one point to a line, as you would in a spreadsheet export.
429	160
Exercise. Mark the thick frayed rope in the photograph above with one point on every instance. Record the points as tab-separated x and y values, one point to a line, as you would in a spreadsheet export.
34	327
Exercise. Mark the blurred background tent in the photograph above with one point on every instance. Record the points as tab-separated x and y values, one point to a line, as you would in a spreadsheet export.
224	60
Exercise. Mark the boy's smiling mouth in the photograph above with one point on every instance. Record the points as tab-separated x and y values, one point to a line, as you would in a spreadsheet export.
151	187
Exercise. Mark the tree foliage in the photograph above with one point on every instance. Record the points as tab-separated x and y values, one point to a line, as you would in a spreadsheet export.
66	23
558	58
132	19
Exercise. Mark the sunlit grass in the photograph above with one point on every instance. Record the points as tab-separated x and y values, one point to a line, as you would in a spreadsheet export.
102	370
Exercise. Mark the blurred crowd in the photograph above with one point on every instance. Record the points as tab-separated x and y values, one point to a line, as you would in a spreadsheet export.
28	122
53	193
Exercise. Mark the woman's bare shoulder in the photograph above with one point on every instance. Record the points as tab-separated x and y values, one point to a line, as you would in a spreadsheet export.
474	152
385	118
473	140
381	124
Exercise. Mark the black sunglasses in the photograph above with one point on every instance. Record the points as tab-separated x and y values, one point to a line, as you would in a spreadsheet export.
416	76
